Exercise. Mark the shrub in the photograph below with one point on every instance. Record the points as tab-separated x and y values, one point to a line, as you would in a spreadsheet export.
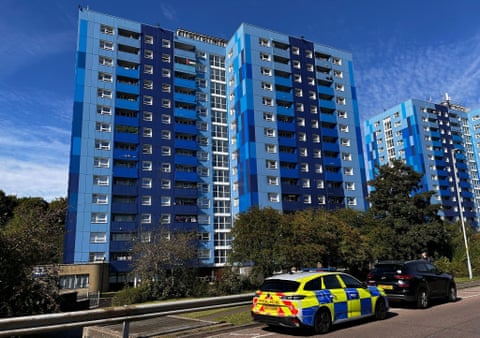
129	296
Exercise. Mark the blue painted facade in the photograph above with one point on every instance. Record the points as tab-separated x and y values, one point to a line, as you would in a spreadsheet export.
295	135
435	140
183	131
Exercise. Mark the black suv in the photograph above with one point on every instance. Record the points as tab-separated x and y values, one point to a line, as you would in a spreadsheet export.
413	281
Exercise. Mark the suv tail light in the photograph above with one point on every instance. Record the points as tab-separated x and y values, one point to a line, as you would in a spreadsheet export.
404	280
371	280
403	277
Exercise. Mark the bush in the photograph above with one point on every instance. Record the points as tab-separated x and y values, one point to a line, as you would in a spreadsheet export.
129	296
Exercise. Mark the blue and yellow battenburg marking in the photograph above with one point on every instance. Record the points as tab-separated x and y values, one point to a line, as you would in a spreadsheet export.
343	303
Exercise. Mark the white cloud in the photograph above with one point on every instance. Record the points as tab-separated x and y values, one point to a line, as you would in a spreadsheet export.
397	73
168	12
34	144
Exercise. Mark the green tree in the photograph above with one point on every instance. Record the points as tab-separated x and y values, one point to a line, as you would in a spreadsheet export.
32	236
7	205
163	262
400	205
258	236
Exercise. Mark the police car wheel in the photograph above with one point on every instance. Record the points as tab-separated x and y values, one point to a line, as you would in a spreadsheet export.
380	309
323	322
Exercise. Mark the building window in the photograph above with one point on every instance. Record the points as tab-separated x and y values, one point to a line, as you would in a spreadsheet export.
350	185
338	73
166	43
267	86
147	132
264	42
166	103
148	69
98	237
166	167
146	200
105	77
104	93
101	180
102	145
100	199
165	218
101	162
96	257
109	30
272	180
104	110
166	151
147	116
165	201
166	135
345	142
266	71
148	100
166	88
148	39
166	184
147	165
304	167
269	132
146	182
105	61
166	72
267	101
147	149
348	171
265	57
351	201
270	148
148	84
98	217
106	45
166	119
271	164
267	116
273	197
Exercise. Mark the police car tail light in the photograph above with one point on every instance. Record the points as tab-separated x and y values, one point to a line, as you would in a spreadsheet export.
292	297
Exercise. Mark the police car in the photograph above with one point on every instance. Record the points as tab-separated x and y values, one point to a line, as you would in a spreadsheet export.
316	300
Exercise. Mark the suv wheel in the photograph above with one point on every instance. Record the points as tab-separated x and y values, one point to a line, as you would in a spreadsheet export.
452	293
422	298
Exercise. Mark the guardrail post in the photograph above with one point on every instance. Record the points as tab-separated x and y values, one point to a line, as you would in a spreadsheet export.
125	328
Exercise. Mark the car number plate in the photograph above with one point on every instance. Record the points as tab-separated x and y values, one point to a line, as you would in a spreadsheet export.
386	287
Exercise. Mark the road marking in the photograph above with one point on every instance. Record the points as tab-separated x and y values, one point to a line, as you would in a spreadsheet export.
253	335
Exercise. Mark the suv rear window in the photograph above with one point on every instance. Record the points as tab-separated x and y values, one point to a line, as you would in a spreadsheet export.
384	269
279	285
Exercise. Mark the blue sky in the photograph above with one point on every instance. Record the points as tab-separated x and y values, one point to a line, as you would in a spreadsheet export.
401	49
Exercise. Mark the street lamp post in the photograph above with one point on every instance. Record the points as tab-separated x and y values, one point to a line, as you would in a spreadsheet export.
460	209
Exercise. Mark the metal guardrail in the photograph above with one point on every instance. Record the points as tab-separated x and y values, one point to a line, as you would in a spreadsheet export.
120	314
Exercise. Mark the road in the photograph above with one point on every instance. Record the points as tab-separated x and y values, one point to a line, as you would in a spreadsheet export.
460	319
